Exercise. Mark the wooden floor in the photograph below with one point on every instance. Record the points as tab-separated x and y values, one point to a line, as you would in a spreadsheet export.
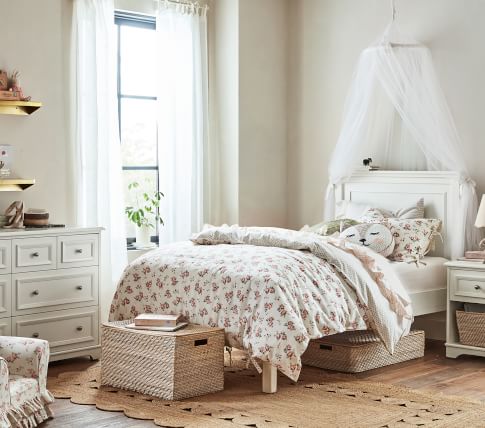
464	376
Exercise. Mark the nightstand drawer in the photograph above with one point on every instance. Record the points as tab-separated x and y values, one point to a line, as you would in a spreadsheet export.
33	254
467	285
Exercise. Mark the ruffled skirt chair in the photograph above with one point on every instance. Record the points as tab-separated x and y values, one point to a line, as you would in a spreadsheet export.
23	376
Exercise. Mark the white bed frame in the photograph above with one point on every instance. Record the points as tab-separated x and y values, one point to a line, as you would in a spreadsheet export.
392	190
397	189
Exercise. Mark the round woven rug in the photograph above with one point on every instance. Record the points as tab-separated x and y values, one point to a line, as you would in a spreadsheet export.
318	399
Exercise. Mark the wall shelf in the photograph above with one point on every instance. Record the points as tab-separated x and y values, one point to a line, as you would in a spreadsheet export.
15	184
19	108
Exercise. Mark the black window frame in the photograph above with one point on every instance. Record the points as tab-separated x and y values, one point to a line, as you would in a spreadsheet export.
132	19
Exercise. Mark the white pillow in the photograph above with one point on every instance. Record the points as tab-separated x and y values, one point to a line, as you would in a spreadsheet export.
349	209
377	215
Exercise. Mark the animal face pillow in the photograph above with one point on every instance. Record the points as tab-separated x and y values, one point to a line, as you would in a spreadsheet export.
375	236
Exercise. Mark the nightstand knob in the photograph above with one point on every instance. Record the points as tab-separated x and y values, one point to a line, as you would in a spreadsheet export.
78	251
35	334
477	287
79	328
35	292
36	254
79	287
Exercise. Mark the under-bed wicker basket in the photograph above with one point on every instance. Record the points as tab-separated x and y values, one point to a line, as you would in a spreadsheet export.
181	364
358	351
471	328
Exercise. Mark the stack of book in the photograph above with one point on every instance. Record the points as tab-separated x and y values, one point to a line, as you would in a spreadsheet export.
157	322
474	256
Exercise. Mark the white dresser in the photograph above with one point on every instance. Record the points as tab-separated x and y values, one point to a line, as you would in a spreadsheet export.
49	282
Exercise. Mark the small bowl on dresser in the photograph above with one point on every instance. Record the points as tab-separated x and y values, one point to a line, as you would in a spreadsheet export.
36	220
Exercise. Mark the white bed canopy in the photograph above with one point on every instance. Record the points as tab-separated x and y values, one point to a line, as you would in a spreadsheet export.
396	114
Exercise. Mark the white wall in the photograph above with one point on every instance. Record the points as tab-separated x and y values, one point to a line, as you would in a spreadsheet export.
248	79
35	40
327	37
223	28
262	112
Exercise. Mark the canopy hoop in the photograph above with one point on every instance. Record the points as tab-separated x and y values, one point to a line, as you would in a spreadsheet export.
393	10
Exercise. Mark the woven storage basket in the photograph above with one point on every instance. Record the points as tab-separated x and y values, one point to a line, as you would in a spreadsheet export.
471	328
358	351
176	365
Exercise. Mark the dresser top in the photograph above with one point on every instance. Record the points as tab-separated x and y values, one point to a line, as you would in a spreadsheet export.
37	231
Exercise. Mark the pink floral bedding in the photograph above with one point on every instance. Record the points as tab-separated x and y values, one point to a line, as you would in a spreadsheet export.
272	293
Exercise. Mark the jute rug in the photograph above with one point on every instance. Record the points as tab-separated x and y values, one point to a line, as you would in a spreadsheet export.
318	399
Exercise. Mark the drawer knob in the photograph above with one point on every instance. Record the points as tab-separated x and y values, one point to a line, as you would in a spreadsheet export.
36	254
79	328
79	250
35	334
79	287
477	287
35	292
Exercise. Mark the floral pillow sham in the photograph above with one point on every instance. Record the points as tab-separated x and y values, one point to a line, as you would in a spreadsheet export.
413	237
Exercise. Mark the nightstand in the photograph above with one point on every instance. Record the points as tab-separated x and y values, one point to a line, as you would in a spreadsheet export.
466	284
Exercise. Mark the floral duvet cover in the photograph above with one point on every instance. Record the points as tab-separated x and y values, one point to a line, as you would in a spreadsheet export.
271	289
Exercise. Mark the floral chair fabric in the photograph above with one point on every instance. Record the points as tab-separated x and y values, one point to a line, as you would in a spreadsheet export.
24	398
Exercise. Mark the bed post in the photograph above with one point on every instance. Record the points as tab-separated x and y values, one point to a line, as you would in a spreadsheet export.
270	378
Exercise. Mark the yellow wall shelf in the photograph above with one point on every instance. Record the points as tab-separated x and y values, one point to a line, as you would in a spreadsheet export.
15	184
19	108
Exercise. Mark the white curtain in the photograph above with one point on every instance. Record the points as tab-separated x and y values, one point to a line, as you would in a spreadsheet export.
96	151
183	140
396	113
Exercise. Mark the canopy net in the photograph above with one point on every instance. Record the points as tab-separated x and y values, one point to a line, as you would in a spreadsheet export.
396	113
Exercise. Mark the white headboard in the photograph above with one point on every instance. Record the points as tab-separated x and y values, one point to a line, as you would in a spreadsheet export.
398	189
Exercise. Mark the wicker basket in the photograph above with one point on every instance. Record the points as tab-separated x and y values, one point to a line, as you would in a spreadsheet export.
471	328
358	351
181	364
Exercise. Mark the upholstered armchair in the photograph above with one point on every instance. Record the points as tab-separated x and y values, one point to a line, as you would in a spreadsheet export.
24	398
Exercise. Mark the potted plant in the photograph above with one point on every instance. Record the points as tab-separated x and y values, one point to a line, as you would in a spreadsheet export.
145	214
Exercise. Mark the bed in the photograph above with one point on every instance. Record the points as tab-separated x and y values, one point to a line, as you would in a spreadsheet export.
275	291
426	285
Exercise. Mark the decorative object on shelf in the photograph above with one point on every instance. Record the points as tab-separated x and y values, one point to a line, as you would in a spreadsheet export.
144	215
6	156
368	164
3	80
36	217
15	214
13	91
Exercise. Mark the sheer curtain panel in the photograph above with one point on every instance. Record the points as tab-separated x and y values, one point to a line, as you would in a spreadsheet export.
96	151
184	151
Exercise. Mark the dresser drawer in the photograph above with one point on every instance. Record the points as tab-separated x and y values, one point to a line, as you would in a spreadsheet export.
5	256
65	330
5	295
467	285
53	290
33	254
6	326
77	250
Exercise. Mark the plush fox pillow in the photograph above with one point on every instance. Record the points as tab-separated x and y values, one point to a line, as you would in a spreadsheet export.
373	235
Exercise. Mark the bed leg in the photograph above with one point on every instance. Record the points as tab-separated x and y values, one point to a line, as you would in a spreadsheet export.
270	378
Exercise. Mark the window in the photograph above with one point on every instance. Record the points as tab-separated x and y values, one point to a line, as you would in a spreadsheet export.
137	106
